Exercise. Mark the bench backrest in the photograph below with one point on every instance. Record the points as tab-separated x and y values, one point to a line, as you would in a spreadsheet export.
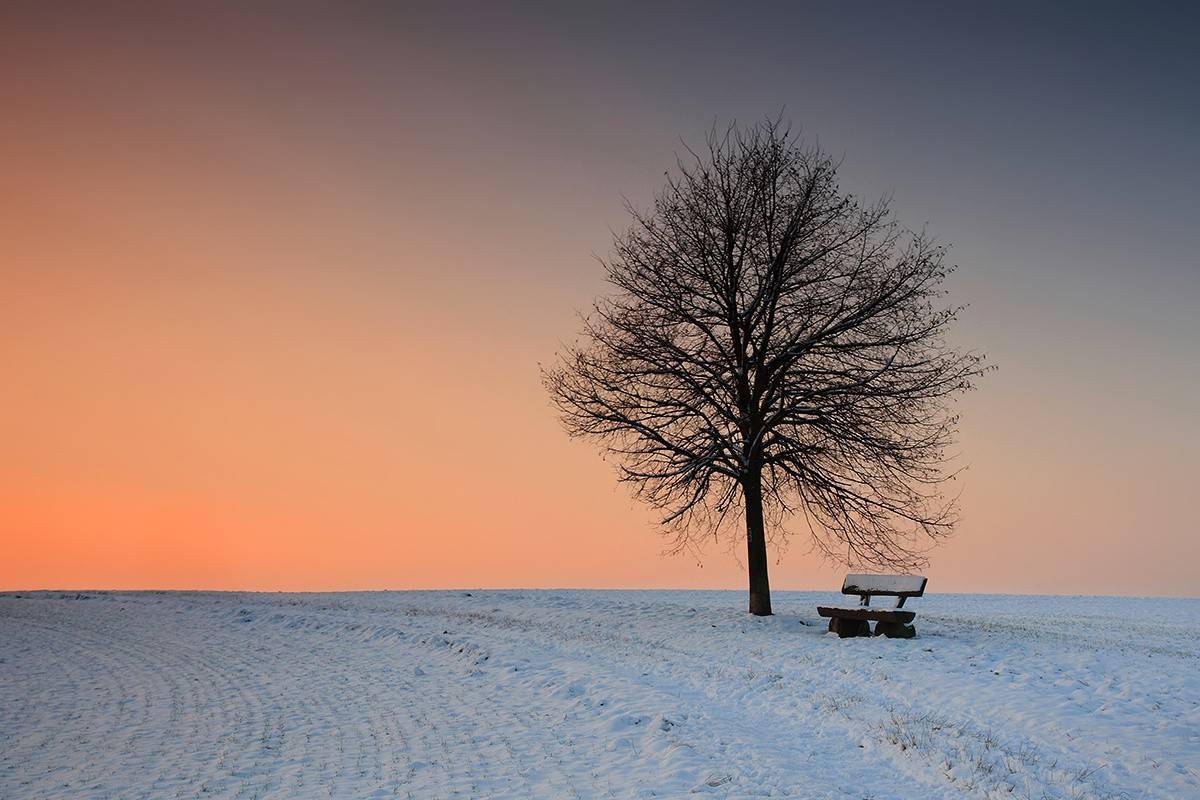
891	585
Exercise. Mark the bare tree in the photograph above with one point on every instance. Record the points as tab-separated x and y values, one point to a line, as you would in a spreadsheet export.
773	346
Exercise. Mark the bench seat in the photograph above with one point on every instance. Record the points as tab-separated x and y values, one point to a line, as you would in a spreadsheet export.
866	612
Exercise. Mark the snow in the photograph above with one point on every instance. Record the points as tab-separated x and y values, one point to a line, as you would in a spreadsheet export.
883	584
580	694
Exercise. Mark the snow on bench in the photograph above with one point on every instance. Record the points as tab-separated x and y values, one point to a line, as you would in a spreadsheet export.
890	622
901	586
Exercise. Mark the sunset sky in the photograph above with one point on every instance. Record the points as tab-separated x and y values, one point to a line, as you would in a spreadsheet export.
275	283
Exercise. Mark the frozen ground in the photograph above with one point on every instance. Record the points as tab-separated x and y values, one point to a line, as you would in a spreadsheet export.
577	694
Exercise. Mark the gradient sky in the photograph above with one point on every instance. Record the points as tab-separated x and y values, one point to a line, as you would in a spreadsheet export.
275	283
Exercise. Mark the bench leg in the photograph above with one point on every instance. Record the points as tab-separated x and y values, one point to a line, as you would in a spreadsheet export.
846	628
895	630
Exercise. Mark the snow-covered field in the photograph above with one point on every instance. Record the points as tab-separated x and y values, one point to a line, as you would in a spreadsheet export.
579	694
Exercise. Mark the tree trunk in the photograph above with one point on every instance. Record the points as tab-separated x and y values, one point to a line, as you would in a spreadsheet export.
756	545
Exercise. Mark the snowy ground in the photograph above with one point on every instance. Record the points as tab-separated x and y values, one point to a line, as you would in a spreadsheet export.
577	694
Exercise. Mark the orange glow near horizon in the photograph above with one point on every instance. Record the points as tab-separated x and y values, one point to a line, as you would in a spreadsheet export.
274	299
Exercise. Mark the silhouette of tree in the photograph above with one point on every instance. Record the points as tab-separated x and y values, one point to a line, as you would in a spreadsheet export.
775	347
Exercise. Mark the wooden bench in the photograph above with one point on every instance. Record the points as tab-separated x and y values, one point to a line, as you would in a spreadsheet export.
890	622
